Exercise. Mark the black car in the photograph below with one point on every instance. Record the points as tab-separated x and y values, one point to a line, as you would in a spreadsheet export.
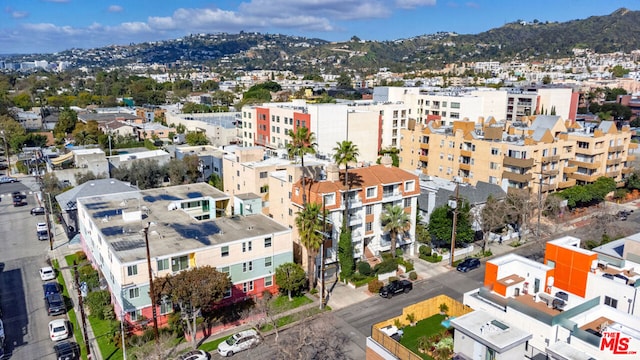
17	201
18	194
66	350
43	235
396	287
37	211
55	304
468	264
51	288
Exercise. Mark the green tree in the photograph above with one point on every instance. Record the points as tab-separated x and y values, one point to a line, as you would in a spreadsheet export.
23	101
309	227
192	291
344	81
184	171
441	223
86	134
633	181
195	138
546	79
210	85
344	153
618	71
216	181
14	133
395	221
302	142
67	121
290	278
491	217
345	251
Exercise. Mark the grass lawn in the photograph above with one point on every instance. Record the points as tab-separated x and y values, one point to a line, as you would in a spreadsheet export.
212	345
282	303
426	327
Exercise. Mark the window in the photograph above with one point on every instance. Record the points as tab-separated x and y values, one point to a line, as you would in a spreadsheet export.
227	293
371	192
247	266
290	212
263	175
246	246
166	306
163	264
611	302
330	199
224	251
179	263
455	105
495	151
224	269
135	315
248	286
369	209
268	281
410	185
407	202
494	166
264	189
134	293
132	270
268	261
368	226
267	241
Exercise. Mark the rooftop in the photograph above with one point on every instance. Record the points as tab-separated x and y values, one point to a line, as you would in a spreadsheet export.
486	329
170	214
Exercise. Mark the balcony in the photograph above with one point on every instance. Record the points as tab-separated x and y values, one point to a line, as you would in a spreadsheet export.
549	187
612	173
354	202
589	151
466	153
521	163
584	164
550	172
633	146
355	219
549	159
391	195
424	158
521	178
424	146
570	169
584	177
616	148
631	158
465	166
567	184
628	170
614	161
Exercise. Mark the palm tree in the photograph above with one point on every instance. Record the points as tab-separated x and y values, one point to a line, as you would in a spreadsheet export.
302	142
395	221
345	152
309	227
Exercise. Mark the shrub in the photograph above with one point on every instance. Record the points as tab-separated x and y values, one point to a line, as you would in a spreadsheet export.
620	194
374	286
424	250
80	256
386	255
413	276
386	266
590	244
364	268
97	301
434	258
393	278
359	280
313	291
408	264
399	252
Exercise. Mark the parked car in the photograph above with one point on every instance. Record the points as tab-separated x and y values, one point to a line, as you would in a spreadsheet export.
47	273
7	179
43	235
51	288
37	211
468	264
238	342
66	350
195	355
55	304
58	329
396	287
18	201
41	226
18	194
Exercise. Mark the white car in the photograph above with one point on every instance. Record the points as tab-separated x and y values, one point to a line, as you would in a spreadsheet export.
47	273
41	226
195	355
238	342
58	329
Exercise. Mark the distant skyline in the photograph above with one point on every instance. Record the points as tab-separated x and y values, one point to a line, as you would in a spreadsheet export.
46	26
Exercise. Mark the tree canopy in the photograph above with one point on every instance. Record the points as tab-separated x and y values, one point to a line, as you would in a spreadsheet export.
441	224
290	278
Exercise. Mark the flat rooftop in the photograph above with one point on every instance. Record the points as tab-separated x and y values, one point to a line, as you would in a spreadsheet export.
121	218
486	329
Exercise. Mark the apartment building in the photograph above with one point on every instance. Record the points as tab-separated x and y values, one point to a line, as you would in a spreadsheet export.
371	126
540	150
187	227
574	305
210	158
373	188
221	129
450	105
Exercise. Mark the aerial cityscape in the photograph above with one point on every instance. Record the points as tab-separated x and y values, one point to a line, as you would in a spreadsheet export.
406	179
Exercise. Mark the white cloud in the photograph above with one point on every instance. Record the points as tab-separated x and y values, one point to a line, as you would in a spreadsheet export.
19	14
115	9
412	4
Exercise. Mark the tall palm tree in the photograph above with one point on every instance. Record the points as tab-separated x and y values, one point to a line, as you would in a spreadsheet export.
309	227
345	152
395	221
302	142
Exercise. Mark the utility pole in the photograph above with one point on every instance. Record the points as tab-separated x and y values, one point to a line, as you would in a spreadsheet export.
322	260
455	220
6	151
82	314
151	292
540	183
124	347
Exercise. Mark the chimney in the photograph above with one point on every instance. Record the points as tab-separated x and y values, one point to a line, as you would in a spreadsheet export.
333	173
386	160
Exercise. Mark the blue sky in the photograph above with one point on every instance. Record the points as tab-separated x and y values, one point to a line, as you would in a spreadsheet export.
42	26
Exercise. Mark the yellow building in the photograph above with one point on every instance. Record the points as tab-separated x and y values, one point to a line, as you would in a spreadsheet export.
540	149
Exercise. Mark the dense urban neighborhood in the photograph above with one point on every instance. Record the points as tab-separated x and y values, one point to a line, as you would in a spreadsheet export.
199	197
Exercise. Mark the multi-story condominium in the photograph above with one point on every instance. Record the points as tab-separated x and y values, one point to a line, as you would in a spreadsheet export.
186	227
210	158
540	150
572	306
373	188
371	126
451	105
220	128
